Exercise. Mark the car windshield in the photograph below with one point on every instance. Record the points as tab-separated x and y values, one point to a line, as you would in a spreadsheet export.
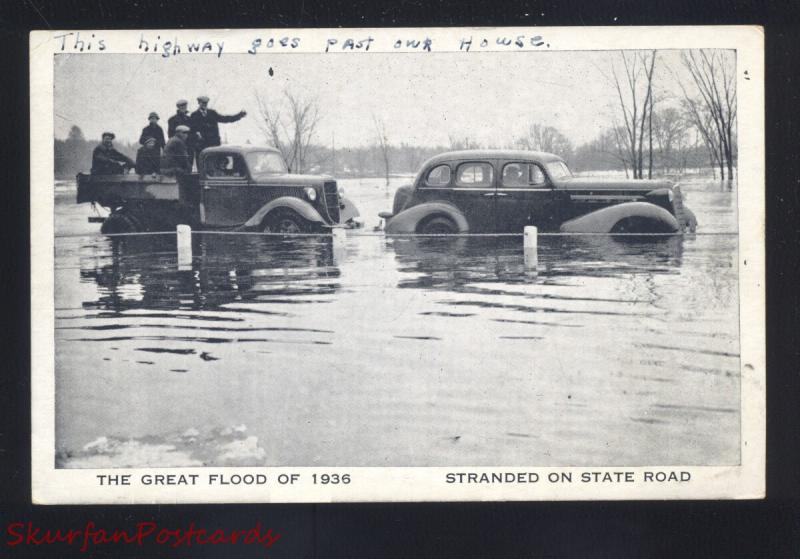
265	163
558	170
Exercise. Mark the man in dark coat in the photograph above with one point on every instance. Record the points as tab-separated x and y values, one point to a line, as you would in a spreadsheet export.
176	156
153	130
205	126
182	118
108	161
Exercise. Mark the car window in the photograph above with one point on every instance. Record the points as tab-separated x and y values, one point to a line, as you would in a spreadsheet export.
537	176
224	166
515	174
439	176
474	174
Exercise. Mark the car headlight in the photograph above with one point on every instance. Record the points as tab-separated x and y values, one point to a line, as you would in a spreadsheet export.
311	194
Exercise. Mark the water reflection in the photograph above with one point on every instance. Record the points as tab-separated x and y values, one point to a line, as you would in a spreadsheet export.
142	273
452	263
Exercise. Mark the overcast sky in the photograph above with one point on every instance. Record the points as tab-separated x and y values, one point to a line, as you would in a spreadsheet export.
423	99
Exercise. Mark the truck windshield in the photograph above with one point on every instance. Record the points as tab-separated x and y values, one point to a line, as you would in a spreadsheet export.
265	163
558	170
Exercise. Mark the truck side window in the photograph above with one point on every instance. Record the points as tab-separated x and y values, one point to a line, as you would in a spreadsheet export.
227	166
439	176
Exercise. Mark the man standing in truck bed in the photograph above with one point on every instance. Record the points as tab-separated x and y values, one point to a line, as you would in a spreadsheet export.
205	126
177	160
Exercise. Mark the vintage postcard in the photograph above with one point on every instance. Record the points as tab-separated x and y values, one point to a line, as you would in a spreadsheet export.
429	264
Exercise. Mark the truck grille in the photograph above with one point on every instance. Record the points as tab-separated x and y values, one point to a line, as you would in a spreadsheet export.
330	195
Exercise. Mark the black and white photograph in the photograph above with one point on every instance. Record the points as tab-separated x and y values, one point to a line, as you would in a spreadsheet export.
418	264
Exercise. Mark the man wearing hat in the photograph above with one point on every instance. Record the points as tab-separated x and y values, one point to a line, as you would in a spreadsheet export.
176	155
181	118
205	125
108	161
153	130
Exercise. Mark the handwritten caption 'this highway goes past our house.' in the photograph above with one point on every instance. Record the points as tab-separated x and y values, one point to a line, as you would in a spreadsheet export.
76	41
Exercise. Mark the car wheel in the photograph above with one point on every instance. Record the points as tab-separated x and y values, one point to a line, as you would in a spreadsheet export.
286	222
121	223
438	226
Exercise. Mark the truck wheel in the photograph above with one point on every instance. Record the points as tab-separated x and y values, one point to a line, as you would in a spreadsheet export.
286	221
438	226
121	223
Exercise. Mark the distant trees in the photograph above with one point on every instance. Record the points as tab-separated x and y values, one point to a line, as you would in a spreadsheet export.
711	107
545	138
290	126
383	144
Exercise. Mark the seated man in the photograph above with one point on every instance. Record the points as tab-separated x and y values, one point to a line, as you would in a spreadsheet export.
148	158
513	176
108	161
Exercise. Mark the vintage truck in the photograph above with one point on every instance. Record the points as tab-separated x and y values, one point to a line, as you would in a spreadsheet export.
502	191
243	188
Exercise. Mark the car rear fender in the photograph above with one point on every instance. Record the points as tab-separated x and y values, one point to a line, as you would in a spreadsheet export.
603	220
408	220
303	208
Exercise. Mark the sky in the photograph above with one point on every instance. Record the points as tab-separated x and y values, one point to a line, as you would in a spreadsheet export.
422	98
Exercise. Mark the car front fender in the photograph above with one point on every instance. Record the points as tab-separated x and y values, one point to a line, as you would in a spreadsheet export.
303	208
603	220
408	220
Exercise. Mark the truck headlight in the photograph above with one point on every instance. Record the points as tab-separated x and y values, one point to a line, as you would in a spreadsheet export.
340	191
311	194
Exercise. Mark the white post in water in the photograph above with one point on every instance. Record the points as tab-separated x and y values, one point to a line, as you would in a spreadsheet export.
339	244
184	247
530	248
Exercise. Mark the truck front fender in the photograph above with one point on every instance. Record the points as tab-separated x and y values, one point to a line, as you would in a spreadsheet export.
301	207
604	220
347	210
408	220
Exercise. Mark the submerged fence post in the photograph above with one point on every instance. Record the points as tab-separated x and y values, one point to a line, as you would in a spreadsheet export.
531	249
184	247
339	242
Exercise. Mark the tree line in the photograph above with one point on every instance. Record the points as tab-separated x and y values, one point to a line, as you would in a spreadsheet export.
651	132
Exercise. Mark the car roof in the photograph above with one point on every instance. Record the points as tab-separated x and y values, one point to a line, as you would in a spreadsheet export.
478	154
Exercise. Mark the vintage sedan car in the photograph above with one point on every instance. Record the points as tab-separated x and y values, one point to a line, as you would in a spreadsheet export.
502	191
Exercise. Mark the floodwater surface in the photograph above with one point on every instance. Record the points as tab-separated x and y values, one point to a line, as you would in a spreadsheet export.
397	351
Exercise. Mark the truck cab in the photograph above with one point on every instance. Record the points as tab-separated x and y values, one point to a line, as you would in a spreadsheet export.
245	188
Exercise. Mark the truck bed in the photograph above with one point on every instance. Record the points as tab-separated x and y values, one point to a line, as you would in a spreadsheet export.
117	190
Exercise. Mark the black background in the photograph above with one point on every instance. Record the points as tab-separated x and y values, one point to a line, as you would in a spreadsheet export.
768	528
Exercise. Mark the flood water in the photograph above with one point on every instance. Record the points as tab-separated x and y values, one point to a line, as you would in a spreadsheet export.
397	352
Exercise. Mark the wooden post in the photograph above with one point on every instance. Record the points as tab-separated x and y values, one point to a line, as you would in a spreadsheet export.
184	247
530	248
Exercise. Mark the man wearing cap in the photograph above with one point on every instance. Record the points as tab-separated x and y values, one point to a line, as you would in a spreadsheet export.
205	125
153	130
176	155
108	161
180	117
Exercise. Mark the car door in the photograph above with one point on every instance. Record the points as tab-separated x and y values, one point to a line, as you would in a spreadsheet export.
525	196
468	185
227	196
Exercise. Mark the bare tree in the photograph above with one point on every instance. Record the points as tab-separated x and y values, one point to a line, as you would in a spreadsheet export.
545	138
290	127
383	143
669	129
466	142
636	104
713	108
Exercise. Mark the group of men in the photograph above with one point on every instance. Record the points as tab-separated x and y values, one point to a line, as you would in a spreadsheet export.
188	134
